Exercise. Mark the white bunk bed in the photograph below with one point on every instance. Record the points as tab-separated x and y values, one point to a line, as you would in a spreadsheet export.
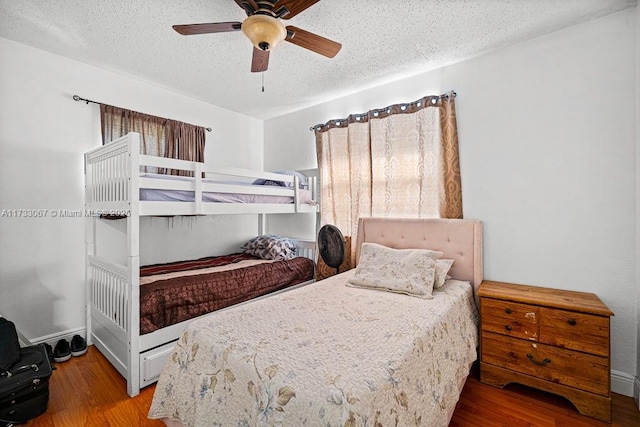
115	185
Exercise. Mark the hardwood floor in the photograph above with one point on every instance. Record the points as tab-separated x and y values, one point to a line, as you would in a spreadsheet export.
520	406
88	391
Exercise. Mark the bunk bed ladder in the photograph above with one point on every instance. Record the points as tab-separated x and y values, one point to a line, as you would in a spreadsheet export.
113	312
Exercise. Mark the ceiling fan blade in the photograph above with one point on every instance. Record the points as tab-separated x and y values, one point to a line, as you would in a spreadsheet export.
248	6
215	27
260	61
295	6
313	42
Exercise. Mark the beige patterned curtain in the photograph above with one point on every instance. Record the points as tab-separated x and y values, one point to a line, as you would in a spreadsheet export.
344	160
158	136
400	161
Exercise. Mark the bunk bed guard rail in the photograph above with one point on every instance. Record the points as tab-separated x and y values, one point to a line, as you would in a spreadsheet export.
114	176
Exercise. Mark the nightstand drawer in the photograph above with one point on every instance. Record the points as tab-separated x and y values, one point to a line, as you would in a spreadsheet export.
562	366
509	318
577	331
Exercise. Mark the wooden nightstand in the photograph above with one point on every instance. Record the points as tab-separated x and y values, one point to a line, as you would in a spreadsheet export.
550	339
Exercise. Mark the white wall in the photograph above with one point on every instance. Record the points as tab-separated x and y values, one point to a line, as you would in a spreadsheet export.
291	146
43	135
636	392
547	149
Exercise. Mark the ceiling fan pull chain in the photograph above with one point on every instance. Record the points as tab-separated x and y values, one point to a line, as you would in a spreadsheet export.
263	81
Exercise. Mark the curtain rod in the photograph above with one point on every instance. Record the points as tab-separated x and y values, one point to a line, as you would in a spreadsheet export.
443	96
77	98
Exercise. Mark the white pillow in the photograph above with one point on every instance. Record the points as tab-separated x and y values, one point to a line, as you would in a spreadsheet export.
406	271
442	268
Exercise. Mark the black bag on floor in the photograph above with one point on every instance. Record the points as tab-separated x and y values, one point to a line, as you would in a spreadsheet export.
24	388
9	345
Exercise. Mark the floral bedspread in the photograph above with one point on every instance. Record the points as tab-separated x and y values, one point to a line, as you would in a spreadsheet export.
324	355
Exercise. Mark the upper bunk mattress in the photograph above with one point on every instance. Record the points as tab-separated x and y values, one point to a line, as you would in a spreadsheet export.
324	354
165	195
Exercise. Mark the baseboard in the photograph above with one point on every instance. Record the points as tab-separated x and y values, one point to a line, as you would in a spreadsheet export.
54	338
636	392
623	383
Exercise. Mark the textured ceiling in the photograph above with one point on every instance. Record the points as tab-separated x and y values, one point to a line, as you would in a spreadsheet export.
383	40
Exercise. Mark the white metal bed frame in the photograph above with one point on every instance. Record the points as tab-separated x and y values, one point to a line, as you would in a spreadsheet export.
112	186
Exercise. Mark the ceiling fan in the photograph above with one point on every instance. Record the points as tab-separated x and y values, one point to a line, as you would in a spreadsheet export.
264	28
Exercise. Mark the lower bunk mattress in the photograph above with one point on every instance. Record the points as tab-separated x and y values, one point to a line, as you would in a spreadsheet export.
324	354
175	292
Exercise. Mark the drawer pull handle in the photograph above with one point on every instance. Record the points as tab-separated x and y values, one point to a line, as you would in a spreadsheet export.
508	311
508	327
544	362
572	322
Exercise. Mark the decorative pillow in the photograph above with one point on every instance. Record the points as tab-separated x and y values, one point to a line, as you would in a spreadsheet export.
271	247
406	271
302	179
442	268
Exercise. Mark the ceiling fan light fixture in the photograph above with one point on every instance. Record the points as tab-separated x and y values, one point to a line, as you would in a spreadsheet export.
264	31
263	28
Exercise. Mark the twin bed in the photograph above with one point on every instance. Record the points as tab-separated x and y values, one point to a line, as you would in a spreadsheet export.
274	350
333	354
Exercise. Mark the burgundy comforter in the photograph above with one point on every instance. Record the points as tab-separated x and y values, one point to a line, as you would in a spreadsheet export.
170	301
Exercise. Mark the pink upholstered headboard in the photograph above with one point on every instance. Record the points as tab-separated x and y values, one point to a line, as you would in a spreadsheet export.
459	239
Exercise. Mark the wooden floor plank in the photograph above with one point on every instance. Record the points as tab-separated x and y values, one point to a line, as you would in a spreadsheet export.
531	406
87	391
